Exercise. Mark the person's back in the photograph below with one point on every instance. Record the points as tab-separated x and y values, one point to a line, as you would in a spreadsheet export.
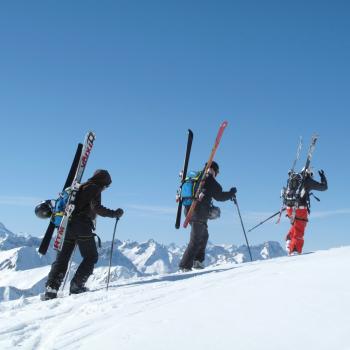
88	200
312	185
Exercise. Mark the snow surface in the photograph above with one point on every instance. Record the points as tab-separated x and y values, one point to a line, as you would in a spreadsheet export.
299	302
130	260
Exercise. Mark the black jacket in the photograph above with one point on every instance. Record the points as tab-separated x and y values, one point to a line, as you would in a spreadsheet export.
88	200
309	185
212	190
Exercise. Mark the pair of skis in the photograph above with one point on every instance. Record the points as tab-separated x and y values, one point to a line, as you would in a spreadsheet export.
183	175
198	195
73	180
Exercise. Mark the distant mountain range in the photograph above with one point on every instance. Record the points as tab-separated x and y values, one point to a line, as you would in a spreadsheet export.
23	270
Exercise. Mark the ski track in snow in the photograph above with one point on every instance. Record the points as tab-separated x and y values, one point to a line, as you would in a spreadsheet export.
284	303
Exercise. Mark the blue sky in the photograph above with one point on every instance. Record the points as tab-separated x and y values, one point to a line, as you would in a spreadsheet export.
141	73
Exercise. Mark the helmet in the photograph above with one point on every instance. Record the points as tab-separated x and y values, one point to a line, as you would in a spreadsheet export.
43	210
309	171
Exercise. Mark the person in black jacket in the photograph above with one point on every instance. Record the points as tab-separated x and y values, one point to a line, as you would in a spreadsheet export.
194	254
299	218
80	232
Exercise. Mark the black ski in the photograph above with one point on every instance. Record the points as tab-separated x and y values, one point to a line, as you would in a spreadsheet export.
45	242
183	175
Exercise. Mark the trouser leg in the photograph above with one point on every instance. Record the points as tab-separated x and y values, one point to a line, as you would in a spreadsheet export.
202	244
197	244
88	251
299	225
290	232
59	267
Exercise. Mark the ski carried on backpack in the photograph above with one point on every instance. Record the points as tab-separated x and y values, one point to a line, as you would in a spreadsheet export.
45	242
198	196
291	172
310	153
61	232
183	175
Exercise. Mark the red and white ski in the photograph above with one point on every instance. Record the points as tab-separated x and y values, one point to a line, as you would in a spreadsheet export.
207	167
61	232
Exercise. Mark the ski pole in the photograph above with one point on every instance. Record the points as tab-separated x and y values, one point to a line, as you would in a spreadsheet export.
240	217
262	222
66	277
110	258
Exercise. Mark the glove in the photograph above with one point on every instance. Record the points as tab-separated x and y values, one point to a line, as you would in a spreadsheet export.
321	173
233	192
118	213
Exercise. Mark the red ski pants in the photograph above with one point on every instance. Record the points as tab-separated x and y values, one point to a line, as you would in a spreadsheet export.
296	232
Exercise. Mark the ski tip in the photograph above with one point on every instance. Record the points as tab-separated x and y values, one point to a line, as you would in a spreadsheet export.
190	132
91	134
224	123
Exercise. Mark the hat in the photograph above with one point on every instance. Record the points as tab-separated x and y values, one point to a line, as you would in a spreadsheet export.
215	167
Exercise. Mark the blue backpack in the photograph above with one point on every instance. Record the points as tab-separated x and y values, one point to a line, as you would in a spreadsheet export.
60	206
190	186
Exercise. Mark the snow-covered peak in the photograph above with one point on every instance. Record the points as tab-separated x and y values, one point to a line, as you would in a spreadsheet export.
9	240
4	232
23	258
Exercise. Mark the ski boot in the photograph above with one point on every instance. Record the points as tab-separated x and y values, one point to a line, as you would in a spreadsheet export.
184	269
198	265
50	293
76	288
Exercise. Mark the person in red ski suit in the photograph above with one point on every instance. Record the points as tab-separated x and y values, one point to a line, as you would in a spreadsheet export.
295	236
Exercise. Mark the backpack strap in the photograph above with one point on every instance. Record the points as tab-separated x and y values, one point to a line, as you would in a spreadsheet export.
87	237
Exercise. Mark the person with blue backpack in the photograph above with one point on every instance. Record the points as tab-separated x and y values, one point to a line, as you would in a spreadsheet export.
80	233
194	254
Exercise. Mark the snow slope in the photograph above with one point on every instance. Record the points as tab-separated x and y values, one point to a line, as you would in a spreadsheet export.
130	259
299	302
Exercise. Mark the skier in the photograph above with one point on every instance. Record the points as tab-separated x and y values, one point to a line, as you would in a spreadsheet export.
195	252
79	231
299	219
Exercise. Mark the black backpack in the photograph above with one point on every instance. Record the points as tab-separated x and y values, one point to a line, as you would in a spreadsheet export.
291	193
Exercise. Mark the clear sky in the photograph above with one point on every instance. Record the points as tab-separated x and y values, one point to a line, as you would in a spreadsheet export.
140	73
